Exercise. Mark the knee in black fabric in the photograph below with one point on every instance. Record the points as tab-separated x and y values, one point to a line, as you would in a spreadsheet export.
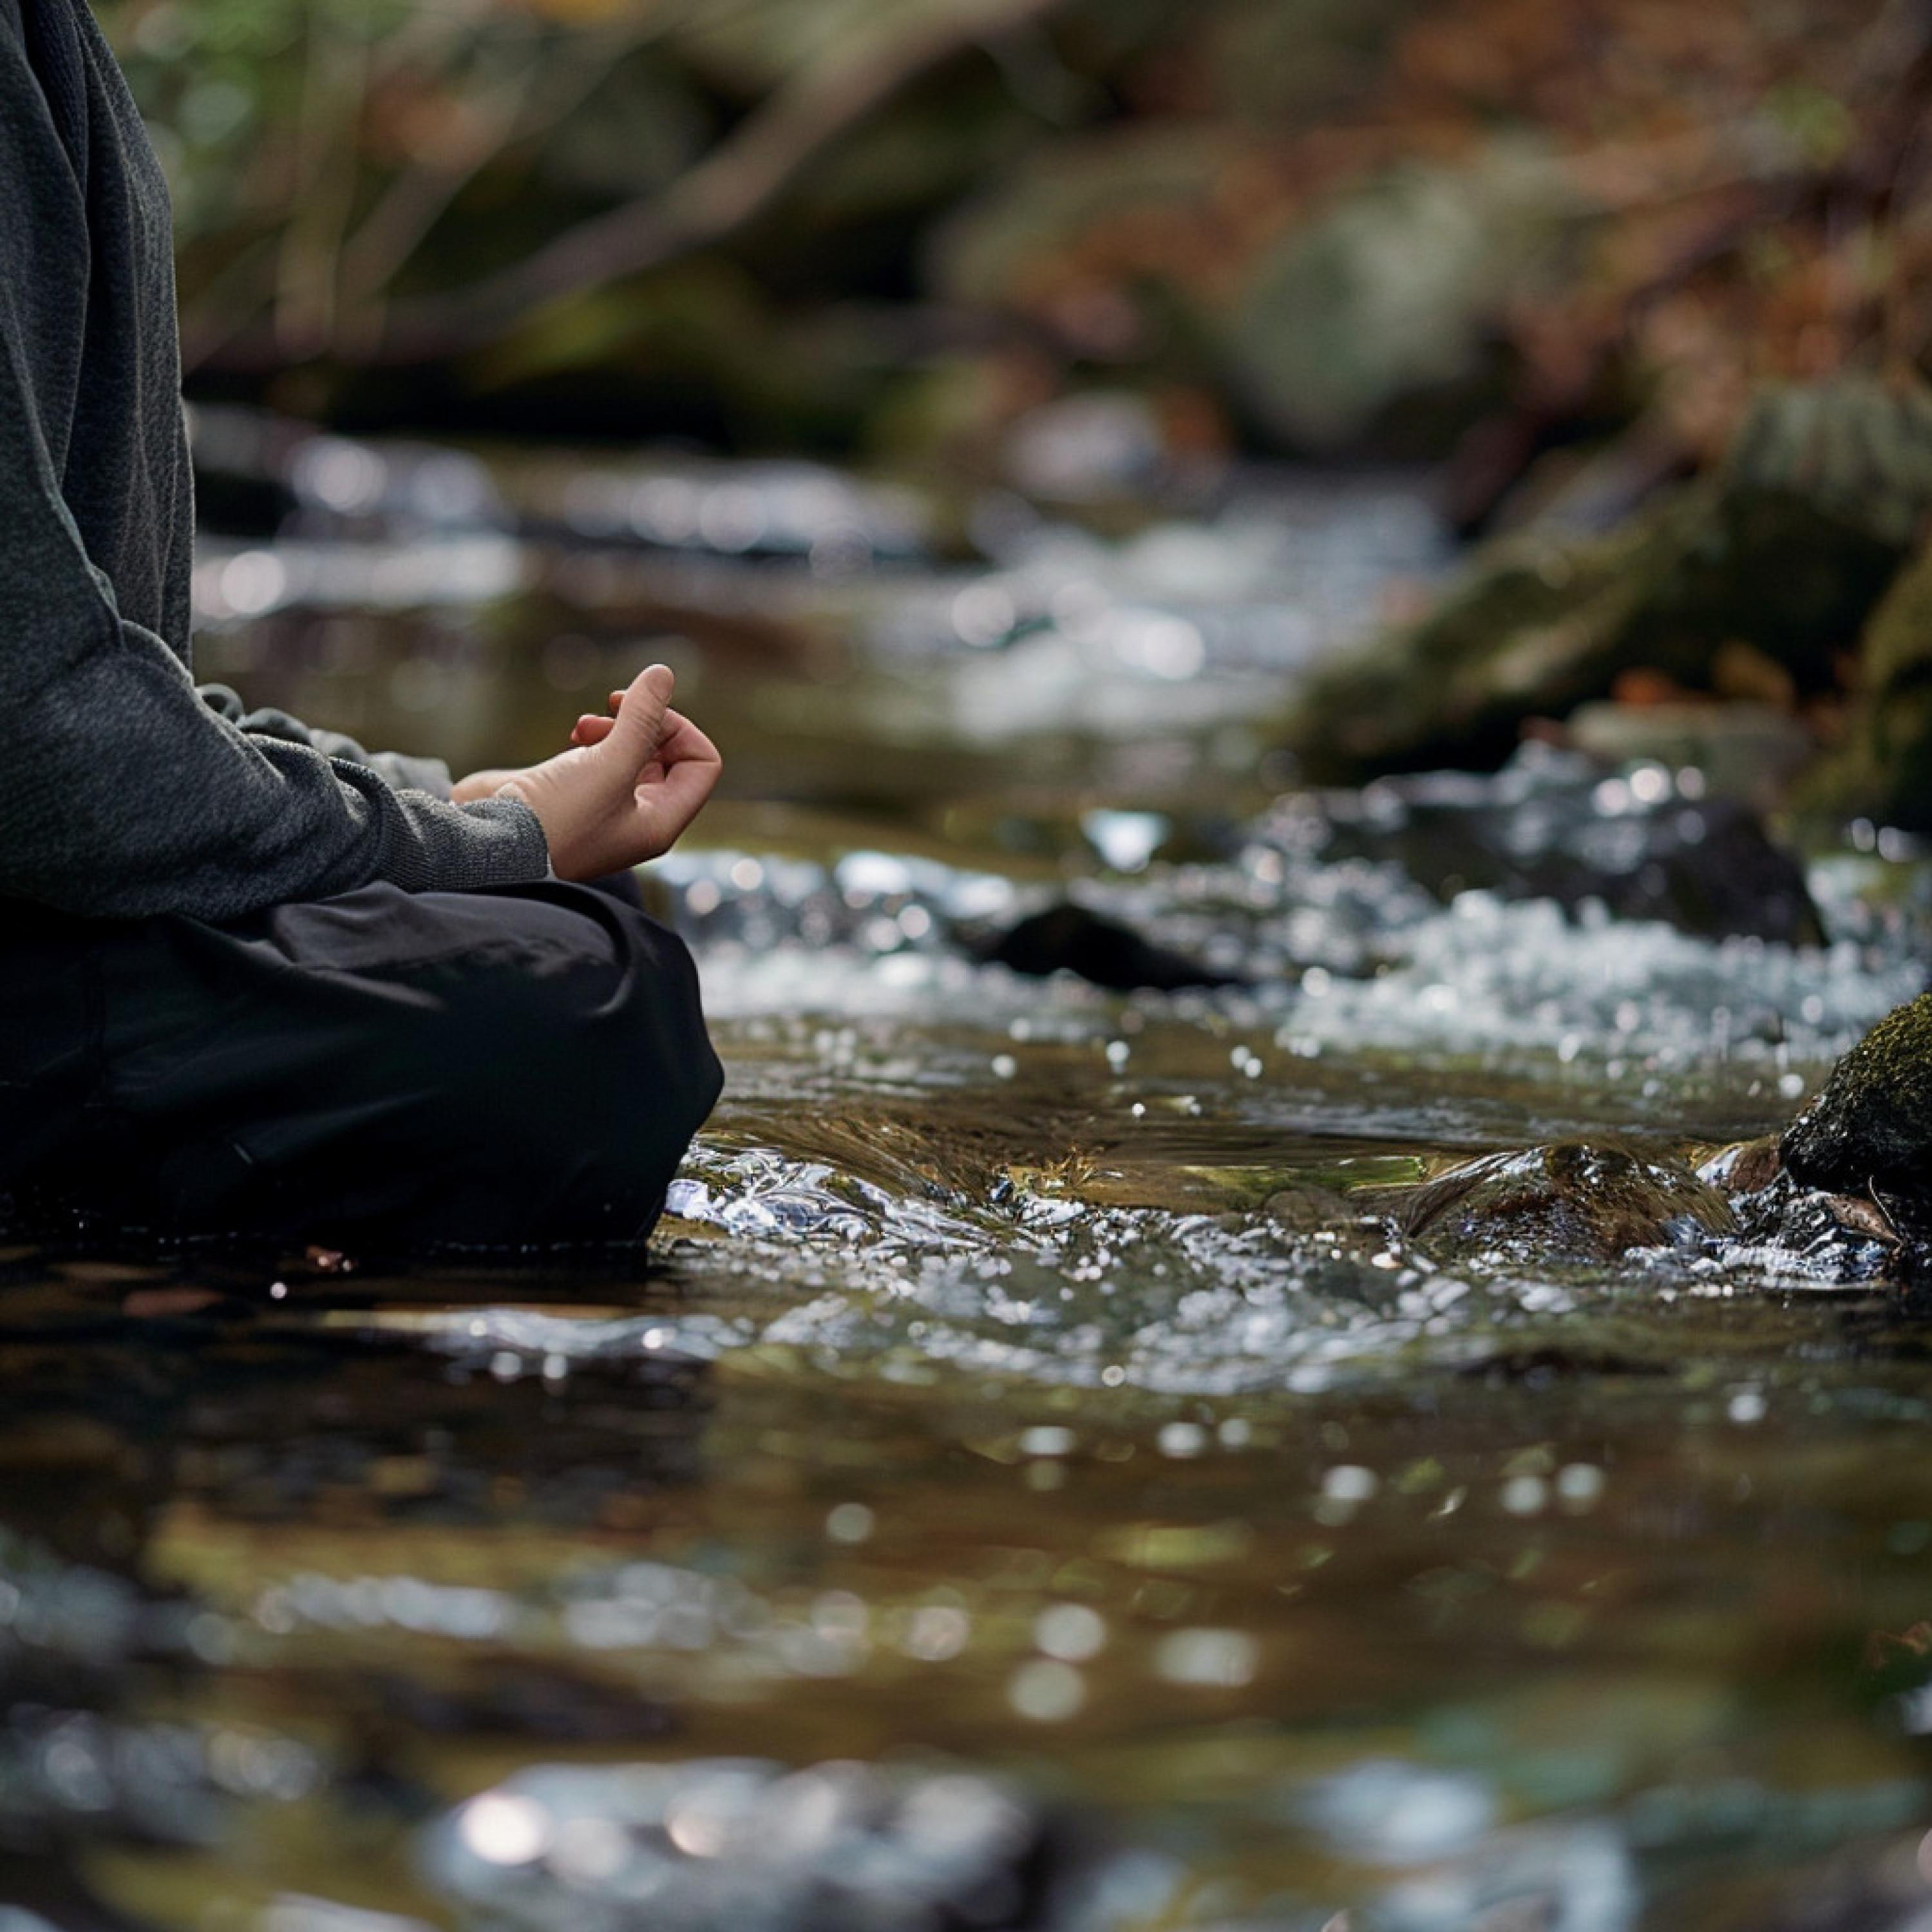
551	1066
382	1070
573	1092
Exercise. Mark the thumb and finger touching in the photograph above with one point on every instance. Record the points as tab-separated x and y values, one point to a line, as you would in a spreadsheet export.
630	785
680	740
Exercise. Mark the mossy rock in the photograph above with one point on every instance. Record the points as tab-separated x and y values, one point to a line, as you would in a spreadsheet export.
1567	1200
1870	1129
1882	769
1385	301
1787	546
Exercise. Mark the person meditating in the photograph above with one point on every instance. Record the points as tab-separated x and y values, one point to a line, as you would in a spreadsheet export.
254	980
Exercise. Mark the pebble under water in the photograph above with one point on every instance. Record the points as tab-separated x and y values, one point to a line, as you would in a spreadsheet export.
1039	1481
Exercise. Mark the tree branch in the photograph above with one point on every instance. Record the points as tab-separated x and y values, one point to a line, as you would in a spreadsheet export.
737	181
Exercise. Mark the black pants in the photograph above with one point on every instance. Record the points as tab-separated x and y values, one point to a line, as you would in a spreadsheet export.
382	1072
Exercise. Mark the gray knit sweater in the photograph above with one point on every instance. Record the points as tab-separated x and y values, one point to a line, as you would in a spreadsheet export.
126	792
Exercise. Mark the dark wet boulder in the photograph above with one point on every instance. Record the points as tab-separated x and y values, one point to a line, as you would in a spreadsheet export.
1869	1132
1786	547
1069	938
1567	1200
1558	825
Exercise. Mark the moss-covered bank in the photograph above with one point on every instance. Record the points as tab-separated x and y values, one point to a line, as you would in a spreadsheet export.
1786	547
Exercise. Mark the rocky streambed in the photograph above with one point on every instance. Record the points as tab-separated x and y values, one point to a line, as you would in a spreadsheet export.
1236	1357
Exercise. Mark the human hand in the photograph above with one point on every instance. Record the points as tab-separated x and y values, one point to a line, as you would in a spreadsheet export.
680	731
626	790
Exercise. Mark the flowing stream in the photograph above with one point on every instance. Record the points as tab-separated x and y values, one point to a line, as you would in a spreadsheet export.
1013	1497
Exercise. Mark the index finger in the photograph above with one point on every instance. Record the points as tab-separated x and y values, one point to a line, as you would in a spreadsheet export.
684	743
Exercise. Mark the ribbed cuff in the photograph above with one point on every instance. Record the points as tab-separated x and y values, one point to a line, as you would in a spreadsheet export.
522	856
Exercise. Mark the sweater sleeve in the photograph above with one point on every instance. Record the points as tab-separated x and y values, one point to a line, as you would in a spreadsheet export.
125	795
401	771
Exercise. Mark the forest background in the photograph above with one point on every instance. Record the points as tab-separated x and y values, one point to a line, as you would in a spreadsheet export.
1650	283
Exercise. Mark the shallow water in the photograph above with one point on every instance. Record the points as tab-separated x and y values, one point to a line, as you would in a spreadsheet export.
995	1432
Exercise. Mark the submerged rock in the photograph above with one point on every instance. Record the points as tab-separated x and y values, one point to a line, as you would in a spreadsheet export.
1557	826
1870	1131
1068	938
1786	547
1306	1209
1742	1167
1567	1200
